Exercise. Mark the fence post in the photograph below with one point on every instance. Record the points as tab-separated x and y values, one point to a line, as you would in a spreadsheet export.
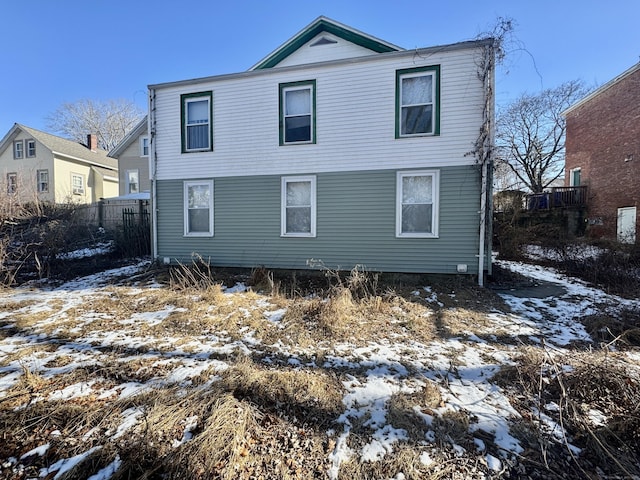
101	212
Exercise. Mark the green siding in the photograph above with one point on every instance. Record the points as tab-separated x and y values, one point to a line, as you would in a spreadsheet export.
355	224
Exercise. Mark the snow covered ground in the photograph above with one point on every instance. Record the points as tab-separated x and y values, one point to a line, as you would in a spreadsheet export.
43	335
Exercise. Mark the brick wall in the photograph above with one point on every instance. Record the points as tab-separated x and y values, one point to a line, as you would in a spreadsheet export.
603	140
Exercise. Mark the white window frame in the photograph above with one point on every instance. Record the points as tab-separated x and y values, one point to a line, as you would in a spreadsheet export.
435	204
128	183
74	189
571	176
144	144
283	213
43	186
12	183
18	150
191	183
28	148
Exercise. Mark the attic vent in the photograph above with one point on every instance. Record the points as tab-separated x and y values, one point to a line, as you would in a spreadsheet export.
323	41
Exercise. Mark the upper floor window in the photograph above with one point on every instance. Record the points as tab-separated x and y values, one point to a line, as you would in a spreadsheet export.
417	101
197	129
12	183
198	208
298	217
43	181
144	146
132	178
18	149
297	112
31	148
417	200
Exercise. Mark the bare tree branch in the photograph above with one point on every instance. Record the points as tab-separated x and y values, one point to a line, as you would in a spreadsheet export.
110	120
531	132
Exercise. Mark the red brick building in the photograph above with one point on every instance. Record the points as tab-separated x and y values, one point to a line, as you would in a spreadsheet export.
603	153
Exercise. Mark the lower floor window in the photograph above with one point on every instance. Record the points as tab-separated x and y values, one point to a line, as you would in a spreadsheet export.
77	184
133	185
417	203
298	215
12	183
198	208
43	181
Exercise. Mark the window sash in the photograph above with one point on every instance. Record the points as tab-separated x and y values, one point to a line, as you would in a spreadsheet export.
77	184
197	122
133	181
18	149
144	146
417	198
12	183
198	208
31	148
297	112
417	101
298	215
43	181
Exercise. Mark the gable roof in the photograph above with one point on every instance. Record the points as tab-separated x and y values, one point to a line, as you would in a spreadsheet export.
602	88
62	146
320	25
139	129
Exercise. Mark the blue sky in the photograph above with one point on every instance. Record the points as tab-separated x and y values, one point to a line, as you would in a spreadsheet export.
65	50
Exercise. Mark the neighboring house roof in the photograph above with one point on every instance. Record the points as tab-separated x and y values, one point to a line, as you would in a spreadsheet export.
62	146
602	88
320	25
139	129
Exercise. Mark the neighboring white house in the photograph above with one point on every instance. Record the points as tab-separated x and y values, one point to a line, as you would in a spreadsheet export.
36	165
338	148
132	154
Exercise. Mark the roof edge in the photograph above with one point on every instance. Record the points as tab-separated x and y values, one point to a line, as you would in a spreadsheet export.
129	137
324	24
602	88
468	44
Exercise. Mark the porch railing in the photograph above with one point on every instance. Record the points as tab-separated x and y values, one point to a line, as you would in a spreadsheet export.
557	197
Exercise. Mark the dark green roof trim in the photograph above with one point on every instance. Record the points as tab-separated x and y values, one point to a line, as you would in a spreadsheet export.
317	27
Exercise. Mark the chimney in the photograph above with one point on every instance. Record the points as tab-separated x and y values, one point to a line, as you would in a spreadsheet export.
92	142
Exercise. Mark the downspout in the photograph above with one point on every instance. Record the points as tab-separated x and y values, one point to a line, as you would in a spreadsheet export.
153	166
486	156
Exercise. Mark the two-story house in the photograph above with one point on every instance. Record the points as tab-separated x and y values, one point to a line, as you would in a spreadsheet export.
337	147
132	154
603	153
39	166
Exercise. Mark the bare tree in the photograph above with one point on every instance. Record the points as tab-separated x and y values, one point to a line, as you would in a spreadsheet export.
531	134
110	120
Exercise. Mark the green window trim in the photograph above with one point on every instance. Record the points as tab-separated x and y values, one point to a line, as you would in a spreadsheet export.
184	100
284	87
434	70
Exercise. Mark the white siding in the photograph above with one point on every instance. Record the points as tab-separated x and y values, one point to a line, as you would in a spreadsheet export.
322	53
355	120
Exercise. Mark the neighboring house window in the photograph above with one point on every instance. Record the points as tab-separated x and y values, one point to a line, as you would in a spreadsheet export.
417	101
43	180
133	184
144	146
31	148
297	112
574	177
298	216
18	149
198	208
77	184
12	183
197	131
417	203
